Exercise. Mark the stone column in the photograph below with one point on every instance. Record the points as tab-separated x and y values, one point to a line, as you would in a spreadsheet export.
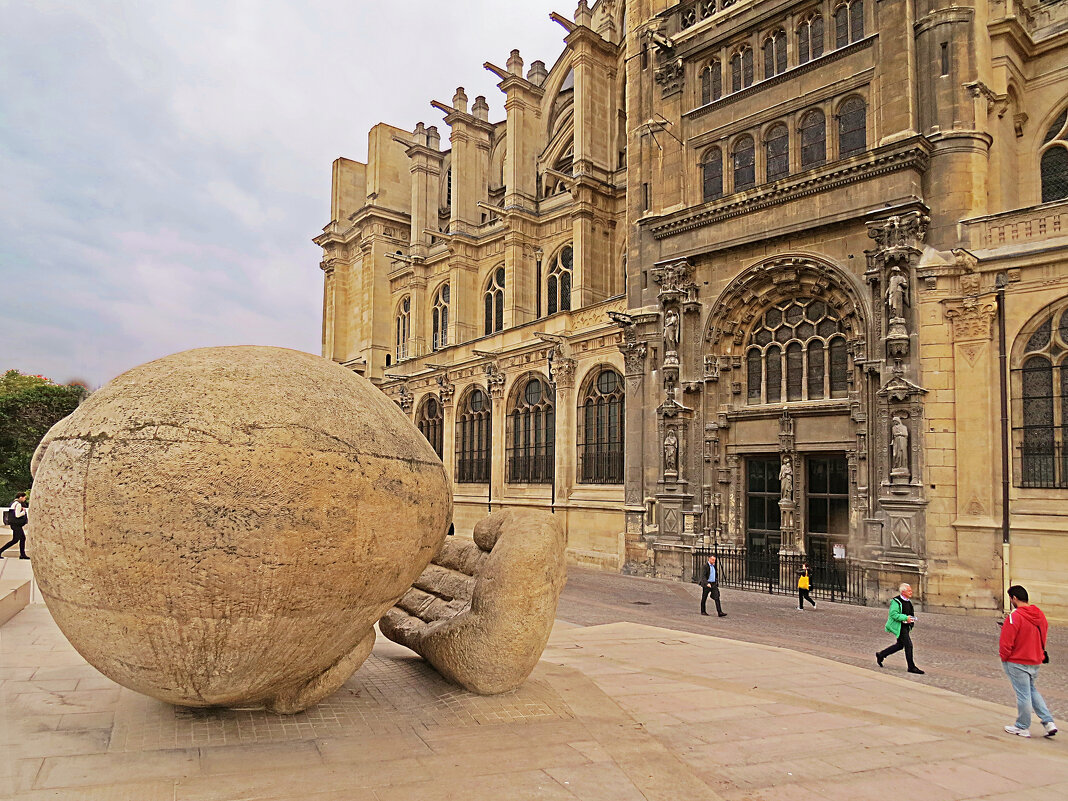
446	391
498	431
562	373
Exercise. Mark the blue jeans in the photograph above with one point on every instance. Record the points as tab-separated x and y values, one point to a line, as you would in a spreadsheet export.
1023	682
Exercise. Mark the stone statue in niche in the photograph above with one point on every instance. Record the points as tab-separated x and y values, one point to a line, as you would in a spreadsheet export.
899	448
897	294
671	453
671	332
786	479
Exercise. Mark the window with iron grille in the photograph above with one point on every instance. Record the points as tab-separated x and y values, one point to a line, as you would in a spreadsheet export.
601	430
473	438
810	39
744	158
808	336
777	147
1040	401
558	282
711	82
712	174
429	422
1054	160
404	321
852	135
439	318
813	131
532	434
494	302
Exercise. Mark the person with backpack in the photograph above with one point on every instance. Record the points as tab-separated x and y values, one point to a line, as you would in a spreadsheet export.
16	516
1022	648
804	584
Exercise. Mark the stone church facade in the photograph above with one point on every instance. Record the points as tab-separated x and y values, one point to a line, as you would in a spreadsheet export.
775	278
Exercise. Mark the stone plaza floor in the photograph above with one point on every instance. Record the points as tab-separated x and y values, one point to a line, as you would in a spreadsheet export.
618	711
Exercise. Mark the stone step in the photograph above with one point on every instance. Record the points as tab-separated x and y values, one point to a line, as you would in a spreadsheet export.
14	597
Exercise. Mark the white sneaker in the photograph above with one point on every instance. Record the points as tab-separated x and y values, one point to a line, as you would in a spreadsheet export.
1017	731
1051	728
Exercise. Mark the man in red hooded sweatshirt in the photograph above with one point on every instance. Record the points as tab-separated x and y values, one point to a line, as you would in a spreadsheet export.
1023	649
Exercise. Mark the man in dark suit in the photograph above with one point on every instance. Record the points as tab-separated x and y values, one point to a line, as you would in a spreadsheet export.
710	586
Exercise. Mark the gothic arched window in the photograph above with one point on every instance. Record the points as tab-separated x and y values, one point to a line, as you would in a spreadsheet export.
600	442
1054	160
775	54
742	68
429	422
439	318
743	160
494	302
711	82
473	444
712	174
777	152
848	23
404	323
532	433
813	129
558	283
797	352
1040	389
810	39
852	134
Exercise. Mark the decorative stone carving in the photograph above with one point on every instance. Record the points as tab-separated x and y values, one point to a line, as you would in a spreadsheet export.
482	612
906	231
201	538
406	399
494	380
971	318
671	337
671	453
675	281
899	449
562	372
786	479
446	389
634	357
670	76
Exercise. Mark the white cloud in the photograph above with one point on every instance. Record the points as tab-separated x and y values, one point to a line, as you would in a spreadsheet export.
165	165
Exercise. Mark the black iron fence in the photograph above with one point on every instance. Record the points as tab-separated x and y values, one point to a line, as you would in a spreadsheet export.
777	573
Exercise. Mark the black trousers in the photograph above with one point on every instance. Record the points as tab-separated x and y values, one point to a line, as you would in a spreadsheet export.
19	536
714	592
802	596
904	643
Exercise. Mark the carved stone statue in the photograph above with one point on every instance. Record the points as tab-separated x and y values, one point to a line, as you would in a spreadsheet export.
899	448
786	479
671	452
671	331
897	294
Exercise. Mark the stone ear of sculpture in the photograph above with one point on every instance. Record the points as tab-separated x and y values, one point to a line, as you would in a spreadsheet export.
482	611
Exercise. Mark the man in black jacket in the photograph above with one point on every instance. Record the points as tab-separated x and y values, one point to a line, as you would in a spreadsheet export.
710	586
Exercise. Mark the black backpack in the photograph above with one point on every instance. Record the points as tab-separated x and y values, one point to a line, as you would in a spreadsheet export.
9	517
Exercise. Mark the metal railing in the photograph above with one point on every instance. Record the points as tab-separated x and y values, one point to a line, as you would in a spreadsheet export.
777	573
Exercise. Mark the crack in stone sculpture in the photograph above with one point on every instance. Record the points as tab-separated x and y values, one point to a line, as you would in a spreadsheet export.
482	611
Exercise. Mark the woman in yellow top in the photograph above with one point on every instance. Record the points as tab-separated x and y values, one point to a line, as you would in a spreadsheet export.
803	585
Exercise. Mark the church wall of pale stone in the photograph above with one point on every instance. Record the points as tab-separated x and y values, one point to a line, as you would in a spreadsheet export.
762	249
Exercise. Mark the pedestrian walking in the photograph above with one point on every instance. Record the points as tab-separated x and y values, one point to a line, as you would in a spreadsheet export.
710	586
804	584
18	518
1022	649
899	622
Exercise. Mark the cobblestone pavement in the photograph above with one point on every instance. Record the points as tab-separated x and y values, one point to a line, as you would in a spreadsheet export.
959	653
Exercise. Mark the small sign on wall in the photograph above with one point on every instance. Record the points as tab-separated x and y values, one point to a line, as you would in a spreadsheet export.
839	551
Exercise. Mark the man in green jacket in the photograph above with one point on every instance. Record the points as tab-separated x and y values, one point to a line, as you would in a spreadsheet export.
899	622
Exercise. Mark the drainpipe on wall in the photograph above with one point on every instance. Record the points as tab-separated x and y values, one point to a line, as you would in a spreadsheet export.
1000	283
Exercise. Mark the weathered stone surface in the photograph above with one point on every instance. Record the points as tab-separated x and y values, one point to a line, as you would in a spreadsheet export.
482	612
224	526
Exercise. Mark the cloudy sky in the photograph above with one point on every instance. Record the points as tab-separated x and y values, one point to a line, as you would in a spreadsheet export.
164	165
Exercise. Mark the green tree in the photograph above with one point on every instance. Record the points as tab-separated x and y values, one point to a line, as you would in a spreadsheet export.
29	406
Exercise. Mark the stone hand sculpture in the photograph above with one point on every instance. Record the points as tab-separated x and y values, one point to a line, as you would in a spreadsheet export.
224	526
482	612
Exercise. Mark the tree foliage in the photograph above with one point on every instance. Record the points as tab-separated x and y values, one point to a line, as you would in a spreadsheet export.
29	406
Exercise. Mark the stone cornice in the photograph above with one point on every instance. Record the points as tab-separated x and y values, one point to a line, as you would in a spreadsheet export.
782	77
913	153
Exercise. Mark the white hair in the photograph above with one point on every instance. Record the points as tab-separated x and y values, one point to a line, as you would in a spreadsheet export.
904	587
